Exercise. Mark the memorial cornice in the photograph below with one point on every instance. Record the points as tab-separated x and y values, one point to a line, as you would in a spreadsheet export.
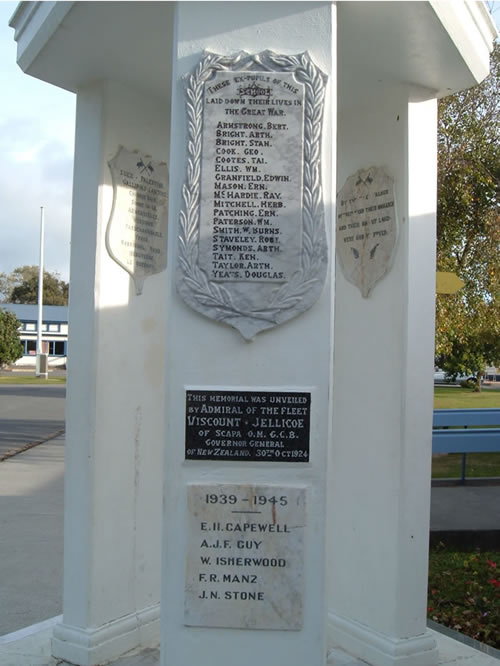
472	30
435	47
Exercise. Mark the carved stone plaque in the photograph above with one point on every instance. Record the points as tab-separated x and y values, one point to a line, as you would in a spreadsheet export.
136	236
366	227
245	556
252	242
262	426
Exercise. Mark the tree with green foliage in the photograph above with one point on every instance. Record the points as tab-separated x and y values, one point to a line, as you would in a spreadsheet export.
11	347
21	286
468	227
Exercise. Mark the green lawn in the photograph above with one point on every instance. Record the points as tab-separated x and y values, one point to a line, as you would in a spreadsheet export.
452	397
478	464
449	466
30	379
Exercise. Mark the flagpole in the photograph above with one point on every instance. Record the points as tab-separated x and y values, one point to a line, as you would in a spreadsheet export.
41	361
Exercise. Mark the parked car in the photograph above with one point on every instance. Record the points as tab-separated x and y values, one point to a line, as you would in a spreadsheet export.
440	377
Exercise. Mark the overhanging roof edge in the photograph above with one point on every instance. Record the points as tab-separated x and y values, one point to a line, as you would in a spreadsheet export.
471	28
44	53
34	24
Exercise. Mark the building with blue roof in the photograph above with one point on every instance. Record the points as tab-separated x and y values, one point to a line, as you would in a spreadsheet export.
54	331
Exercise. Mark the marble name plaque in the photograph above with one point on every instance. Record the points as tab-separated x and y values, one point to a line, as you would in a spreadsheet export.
263	426
366	227
245	556
252	242
251	187
136	235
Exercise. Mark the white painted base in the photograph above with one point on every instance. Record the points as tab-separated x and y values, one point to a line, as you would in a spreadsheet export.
92	646
378	649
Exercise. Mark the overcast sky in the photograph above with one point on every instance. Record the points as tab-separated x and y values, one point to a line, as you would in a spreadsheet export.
37	123
36	148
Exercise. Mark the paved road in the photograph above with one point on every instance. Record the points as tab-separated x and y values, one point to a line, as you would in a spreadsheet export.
29	413
467	507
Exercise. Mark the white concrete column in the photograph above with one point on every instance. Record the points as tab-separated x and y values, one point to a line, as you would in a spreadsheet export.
206	354
114	415
380	476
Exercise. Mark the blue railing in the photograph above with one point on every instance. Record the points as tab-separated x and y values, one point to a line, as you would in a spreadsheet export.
460	431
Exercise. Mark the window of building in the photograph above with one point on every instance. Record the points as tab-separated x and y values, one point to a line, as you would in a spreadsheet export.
56	348
50	347
29	347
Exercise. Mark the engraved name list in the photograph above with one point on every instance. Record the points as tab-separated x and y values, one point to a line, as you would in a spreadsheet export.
252	177
136	233
245	556
252	239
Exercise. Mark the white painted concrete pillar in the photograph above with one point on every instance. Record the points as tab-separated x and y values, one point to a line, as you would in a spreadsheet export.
383	392
206	354
114	416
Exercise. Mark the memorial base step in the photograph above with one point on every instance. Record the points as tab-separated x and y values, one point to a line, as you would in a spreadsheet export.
93	646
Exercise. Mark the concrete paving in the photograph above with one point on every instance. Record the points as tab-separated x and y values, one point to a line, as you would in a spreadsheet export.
31	647
31	535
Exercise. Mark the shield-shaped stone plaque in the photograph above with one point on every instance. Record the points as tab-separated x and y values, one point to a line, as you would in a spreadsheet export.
252	241
136	235
366	227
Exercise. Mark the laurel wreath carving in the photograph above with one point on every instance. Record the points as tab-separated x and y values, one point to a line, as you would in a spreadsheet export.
213	295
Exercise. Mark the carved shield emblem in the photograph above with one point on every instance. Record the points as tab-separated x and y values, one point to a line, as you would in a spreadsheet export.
136	235
366	227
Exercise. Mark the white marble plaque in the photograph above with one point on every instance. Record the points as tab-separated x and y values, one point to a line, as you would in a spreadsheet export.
252	242
366	227
251	187
136	236
245	556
